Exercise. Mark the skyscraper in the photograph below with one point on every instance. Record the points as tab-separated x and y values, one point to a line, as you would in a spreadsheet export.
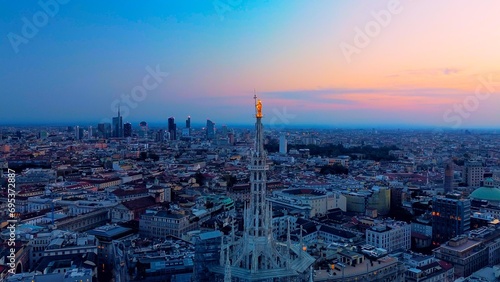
172	128
127	130
224	131
118	125
104	130
210	130
257	256
160	136
143	129
188	122
77	133
81	133
450	217
283	144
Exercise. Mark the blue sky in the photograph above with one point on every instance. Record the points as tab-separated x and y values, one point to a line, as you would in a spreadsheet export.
91	53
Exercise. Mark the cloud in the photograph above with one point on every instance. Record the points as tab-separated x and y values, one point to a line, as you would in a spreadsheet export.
448	71
318	95
342	94
427	72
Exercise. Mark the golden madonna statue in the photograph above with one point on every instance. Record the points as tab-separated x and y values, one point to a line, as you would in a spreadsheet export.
258	107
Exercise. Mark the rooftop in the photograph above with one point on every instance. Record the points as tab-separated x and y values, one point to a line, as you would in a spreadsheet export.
109	231
210	235
360	269
465	245
305	192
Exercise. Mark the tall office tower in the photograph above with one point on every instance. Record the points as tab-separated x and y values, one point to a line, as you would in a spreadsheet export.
257	255
473	173
448	177
161	136
230	137
104	129
172	128
127	130
224	131
107	130
77	133
283	144
450	217
91	132
210	130
188	127
143	129
118	125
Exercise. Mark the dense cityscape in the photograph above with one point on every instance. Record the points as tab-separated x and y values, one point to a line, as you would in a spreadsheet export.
123	202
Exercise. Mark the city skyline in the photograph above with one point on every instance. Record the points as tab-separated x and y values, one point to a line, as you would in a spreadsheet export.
377	65
248	205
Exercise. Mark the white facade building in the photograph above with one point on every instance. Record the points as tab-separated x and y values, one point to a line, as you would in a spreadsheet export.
390	235
314	201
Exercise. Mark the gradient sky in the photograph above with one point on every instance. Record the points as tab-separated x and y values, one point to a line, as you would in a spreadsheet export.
426	60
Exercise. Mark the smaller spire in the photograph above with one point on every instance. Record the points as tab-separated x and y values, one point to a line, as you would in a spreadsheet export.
227	270
288	243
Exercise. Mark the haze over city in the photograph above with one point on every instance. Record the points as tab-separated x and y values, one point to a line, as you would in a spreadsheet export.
349	63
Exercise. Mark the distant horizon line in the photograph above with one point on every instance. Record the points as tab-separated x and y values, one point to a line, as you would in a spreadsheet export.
250	125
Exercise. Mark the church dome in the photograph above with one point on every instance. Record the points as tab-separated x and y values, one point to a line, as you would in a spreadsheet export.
486	193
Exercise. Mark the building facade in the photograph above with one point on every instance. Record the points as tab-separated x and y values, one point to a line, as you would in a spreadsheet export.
172	128
127	130
450	217
390	235
160	224
309	202
466	255
118	125
283	144
210	130
473	173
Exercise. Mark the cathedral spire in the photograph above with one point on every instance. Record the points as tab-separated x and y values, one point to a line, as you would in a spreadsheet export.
258	209
257	254
227	270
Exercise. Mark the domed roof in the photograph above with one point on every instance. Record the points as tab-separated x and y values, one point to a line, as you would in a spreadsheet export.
486	193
